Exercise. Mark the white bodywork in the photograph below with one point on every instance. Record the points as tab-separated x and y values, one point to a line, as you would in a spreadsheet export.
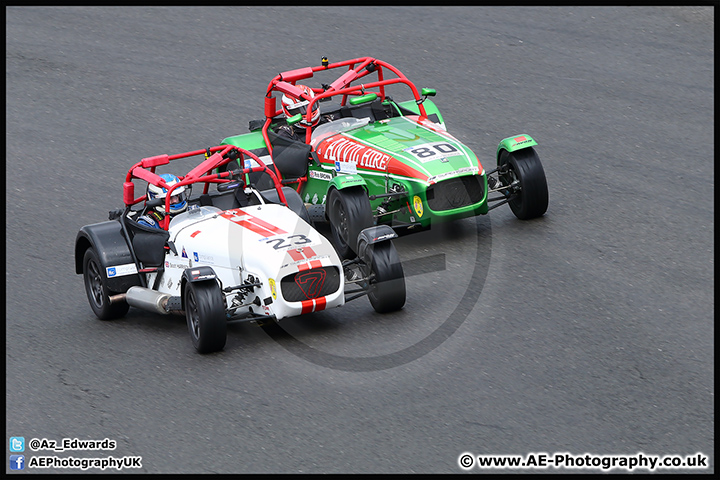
266	242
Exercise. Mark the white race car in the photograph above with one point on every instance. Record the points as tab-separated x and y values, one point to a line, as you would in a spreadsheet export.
235	253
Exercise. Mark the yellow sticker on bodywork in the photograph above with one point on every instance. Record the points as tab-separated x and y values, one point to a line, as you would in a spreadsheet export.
272	288
417	203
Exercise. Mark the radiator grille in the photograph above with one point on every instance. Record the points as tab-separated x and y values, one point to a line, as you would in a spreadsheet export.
309	284
455	193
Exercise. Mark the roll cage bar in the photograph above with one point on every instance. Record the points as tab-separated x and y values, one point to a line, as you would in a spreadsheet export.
358	68
215	157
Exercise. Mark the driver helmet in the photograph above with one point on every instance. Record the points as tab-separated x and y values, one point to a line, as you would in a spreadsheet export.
178	201
292	106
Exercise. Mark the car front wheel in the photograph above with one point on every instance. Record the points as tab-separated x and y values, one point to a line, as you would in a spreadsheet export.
205	314
387	279
523	173
349	213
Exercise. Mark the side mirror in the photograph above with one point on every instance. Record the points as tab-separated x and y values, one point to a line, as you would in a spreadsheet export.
428	92
363	99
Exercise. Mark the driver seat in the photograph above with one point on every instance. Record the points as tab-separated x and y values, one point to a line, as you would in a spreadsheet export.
291	157
148	243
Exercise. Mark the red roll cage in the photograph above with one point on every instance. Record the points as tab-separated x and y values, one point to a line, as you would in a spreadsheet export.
358	68
215	157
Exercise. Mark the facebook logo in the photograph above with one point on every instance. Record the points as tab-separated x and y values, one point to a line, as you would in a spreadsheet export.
17	444
17	462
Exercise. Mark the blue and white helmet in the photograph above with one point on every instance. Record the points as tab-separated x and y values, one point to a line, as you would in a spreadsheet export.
178	201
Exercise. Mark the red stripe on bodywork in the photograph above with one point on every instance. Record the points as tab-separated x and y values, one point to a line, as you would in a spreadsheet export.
262	223
307	306
255	228
320	304
295	255
396	167
315	305
252	223
194	234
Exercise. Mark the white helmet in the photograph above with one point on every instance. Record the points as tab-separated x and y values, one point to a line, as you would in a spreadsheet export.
292	106
178	201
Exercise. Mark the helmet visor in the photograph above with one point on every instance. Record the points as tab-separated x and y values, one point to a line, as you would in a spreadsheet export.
178	201
300	107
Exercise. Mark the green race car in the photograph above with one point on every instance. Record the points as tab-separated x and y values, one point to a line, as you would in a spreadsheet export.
359	158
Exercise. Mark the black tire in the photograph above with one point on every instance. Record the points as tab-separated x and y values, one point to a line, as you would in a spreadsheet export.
205	314
349	213
531	196
387	289
97	290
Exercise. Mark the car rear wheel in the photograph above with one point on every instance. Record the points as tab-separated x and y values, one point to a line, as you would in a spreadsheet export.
387	285
97	290
523	173
349	213
205	314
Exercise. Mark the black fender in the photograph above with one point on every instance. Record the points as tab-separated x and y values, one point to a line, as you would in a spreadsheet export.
376	234
108	241
196	274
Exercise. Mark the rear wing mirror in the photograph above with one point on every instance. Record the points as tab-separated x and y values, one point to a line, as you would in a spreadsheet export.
294	119
363	99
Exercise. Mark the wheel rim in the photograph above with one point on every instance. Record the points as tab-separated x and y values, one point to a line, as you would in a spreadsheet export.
193	314
342	226
94	283
508	178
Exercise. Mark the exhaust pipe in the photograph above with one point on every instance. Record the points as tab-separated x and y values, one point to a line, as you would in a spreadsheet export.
145	299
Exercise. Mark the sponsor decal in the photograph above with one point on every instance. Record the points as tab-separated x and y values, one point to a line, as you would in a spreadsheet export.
169	264
417	203
305	258
345	167
341	150
120	270
387	236
201	257
521	139
461	171
321	175
203	277
273	289
303	264
184	253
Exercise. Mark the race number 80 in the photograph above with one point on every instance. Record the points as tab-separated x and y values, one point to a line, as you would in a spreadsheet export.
433	151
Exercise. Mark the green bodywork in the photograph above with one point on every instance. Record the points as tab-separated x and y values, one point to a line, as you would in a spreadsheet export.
409	157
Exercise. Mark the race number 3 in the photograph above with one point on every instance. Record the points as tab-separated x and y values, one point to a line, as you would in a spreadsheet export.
433	151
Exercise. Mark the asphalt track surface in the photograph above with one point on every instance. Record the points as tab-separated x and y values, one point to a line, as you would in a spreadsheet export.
588	331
